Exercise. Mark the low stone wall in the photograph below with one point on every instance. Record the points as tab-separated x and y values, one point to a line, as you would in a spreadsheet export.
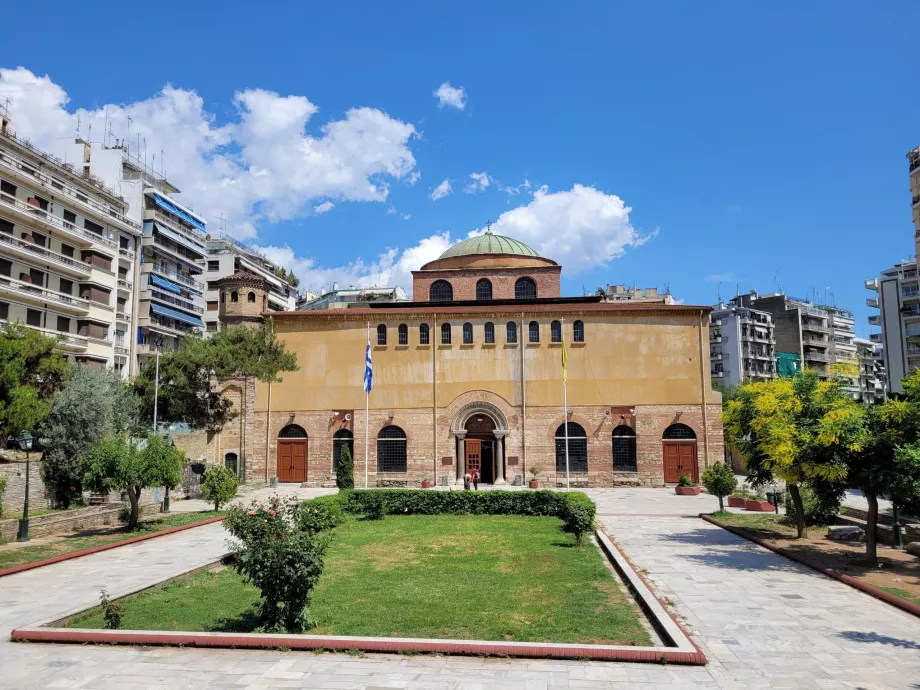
910	528
67	521
15	473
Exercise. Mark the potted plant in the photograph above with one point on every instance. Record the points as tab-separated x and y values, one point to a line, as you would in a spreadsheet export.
739	498
758	504
686	487
426	483
534	482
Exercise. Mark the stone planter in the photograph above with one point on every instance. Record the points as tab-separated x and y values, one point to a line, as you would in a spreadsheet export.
534	484
426	483
736	501
687	490
758	506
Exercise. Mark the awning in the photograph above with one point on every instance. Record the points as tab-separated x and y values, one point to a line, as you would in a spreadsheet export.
174	208
165	284
177	315
179	239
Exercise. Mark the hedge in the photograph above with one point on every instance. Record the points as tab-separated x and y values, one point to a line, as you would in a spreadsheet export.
575	509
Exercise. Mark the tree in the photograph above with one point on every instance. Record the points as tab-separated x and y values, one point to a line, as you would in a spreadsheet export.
345	472
797	429
219	485
720	481
30	373
92	404
116	463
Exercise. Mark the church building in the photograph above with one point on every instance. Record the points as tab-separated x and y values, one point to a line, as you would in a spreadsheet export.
469	376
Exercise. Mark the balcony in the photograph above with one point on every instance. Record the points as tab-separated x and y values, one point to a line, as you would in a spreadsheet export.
874	320
818	357
755	373
22	291
196	236
171	273
716	356
871	284
815	341
125	285
872	302
915	200
171	299
123	317
121	350
69	342
35	214
154	323
815	327
717	374
715	339
176	250
126	253
30	252
754	354
909	294
762	337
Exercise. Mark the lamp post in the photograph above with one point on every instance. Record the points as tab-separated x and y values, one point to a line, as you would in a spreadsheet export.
25	443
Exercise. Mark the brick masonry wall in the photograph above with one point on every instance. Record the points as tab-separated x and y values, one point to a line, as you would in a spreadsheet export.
503	279
15	473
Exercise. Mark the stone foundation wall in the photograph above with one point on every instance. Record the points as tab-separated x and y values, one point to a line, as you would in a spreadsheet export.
15	473
68	521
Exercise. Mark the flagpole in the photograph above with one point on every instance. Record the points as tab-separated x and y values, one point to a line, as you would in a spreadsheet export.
565	405
367	419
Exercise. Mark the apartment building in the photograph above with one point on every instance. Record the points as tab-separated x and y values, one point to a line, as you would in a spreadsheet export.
624	293
898	302
68	250
343	298
871	371
171	257
843	348
913	167
227	256
742	345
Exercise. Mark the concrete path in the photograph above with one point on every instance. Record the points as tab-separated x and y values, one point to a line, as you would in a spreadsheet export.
763	621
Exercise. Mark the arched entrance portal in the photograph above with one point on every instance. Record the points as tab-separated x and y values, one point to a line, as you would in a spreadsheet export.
292	454
480	447
479	429
679	451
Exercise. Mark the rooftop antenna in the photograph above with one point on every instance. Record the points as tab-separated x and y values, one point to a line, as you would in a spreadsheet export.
5	110
105	126
162	165
145	154
719	292
89	137
128	138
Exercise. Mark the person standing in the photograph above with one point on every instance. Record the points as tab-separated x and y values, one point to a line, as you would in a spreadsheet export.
466	481
476	480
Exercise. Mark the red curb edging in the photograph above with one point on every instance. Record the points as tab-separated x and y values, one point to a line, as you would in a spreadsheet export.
898	602
105	547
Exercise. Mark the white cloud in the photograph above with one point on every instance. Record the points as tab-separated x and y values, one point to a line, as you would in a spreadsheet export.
391	211
480	182
324	207
407	216
513	191
441	190
448	95
262	165
414	177
721	277
582	228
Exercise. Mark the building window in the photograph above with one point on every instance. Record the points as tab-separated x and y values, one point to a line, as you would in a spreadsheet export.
511	332
624	449
65	286
533	335
391	449
230	462
7	188
490	333
483	289
440	291
578	331
525	288
467	334
234	296
679	432
214	265
578	448
555	332
292	431
63	324
381	335
423	334
251	298
212	305
211	326
34	318
4	310
343	438
403	332
7	227
445	334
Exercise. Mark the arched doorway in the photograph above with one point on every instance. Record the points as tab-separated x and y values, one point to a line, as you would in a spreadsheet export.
292	454
679	453
479	445
231	462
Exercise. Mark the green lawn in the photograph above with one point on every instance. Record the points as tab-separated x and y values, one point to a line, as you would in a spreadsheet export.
763	525
27	554
901	593
444	576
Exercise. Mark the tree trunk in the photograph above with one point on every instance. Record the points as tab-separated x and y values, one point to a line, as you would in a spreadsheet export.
799	511
871	523
721	504
134	496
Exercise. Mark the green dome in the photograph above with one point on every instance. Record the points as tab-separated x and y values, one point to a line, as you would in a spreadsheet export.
489	244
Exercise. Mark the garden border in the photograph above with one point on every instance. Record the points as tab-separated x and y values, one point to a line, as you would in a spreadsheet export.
897	602
684	651
105	547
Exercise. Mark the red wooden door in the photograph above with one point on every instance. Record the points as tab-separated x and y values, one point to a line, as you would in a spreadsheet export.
679	458
473	455
292	460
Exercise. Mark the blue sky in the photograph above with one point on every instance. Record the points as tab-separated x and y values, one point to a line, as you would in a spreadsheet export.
763	144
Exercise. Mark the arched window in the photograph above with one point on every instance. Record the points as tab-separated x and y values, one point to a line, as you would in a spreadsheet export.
483	289
251	297
223	297
555	332
679	432
578	448
343	438
231	462
467	334
292	431
533	335
624	449
440	291
423	334
525	288
391	449
234	296
403	332
490	333
578	331
511	332
381	335
445	334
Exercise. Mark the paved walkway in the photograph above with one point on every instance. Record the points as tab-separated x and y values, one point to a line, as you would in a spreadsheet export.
763	621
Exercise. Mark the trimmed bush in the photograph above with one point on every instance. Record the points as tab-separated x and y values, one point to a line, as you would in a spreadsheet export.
219	485
720	481
321	514
345	473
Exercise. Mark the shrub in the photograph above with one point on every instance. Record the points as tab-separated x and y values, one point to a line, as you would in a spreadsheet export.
821	504
280	559
111	612
578	515
345	473
219	485
684	480
374	507
321	514
3	481
720	481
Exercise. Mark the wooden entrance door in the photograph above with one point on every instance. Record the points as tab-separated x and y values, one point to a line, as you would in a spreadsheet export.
473	455
679	458
292	460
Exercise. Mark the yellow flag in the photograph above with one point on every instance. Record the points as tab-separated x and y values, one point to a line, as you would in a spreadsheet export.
565	358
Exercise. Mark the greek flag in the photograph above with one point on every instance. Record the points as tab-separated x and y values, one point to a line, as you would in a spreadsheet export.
368	370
